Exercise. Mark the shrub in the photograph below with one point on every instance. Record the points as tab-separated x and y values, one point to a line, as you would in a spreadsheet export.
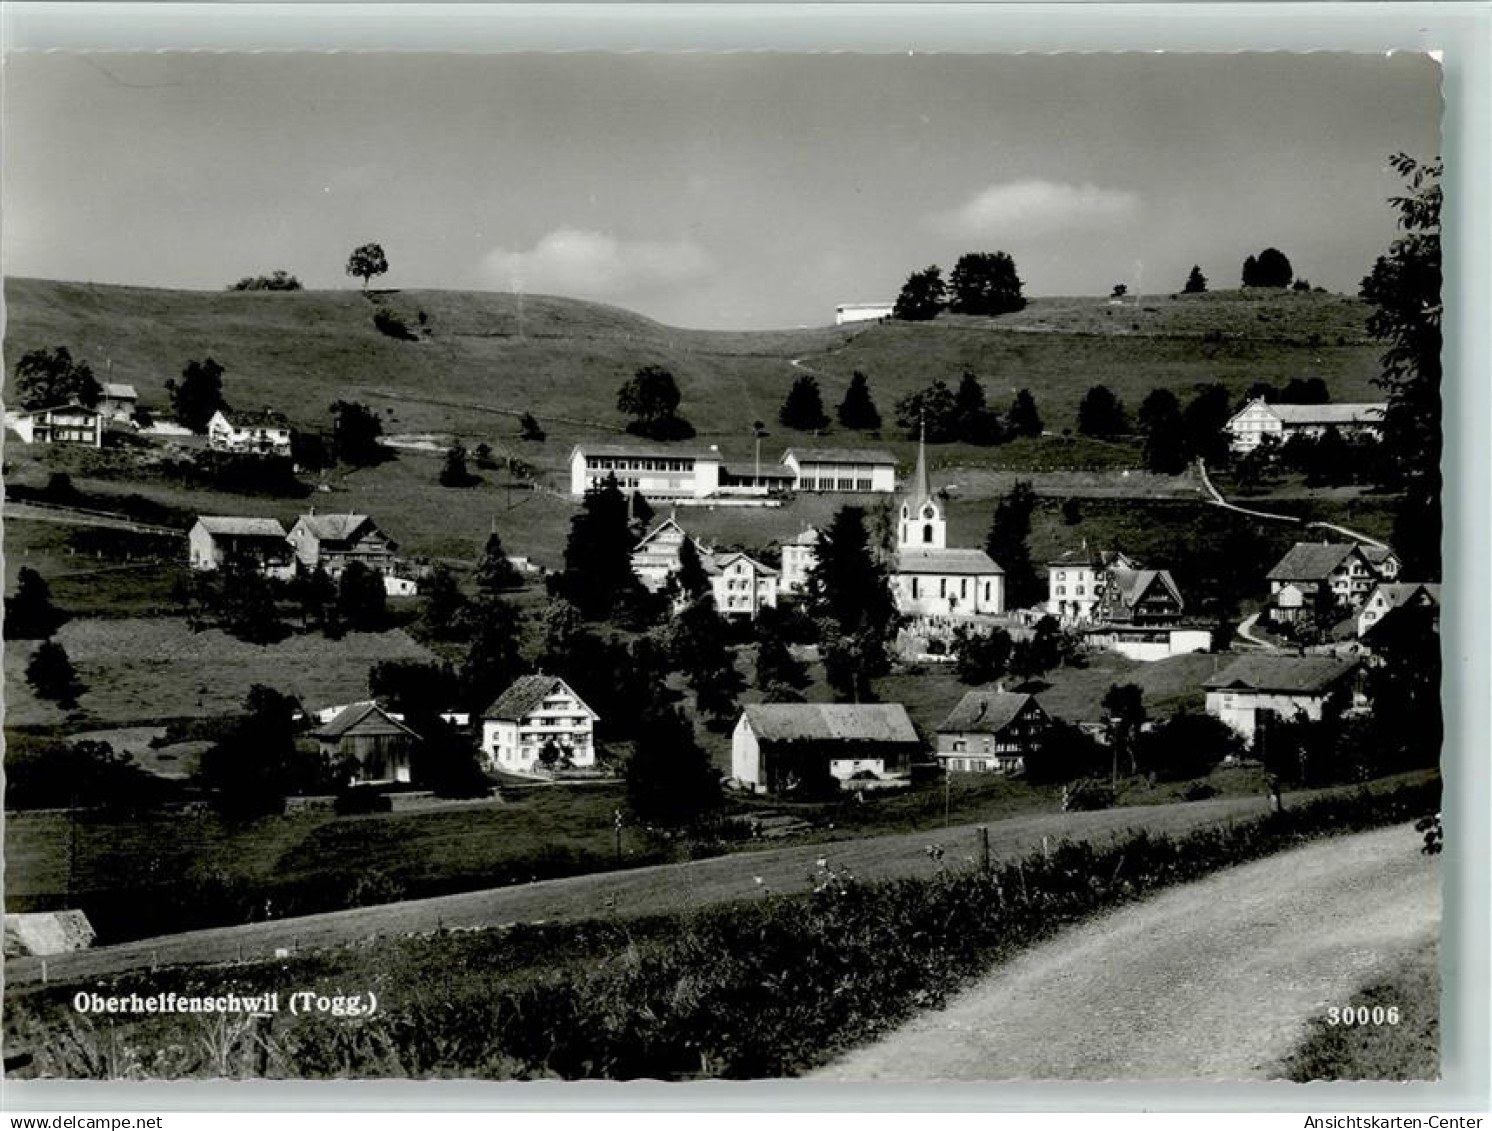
391	325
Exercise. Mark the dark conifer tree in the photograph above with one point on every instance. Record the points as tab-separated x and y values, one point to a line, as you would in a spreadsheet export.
858	411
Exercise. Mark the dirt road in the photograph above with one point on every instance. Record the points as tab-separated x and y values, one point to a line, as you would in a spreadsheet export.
1213	980
659	888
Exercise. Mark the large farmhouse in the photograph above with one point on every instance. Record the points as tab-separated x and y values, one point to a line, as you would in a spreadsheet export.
929	578
59	424
261	433
784	747
118	401
539	723
221	541
1314	571
1253	689
331	542
655	558
991	731
1259	421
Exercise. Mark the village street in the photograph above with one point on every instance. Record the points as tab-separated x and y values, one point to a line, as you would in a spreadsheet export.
1212	980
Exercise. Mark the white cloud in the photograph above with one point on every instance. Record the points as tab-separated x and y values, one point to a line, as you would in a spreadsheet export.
1034	208
570	261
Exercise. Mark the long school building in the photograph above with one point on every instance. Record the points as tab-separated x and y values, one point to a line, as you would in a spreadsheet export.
661	472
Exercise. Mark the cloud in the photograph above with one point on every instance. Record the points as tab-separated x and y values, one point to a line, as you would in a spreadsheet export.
1034	208
571	261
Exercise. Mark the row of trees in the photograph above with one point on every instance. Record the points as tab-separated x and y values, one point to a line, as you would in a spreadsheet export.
984	283
945	415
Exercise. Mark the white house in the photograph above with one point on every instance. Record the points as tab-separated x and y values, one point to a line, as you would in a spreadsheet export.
663	471
1313	569
536	713
1391	595
781	747
857	470
1255	688
928	578
1259	420
118	401
216	541
656	557
799	556
58	424
862	312
262	433
1075	582
741	585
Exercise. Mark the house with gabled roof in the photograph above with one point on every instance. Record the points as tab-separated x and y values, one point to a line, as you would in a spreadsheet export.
799	555
1256	688
118	401
655	558
375	746
858	470
331	542
537	717
71	423
261	432
1314	570
991	732
1391	595
223	541
1076	580
1259	422
781	747
741	585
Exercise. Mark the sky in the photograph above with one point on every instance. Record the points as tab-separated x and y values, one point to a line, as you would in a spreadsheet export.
730	191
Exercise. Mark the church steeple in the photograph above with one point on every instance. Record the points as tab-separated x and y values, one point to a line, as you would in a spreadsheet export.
922	525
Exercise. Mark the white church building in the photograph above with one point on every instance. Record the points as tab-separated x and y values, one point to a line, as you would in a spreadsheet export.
931	579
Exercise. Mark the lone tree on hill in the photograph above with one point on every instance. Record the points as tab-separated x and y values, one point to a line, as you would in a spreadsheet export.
454	472
45	378
1271	269
1196	282
367	261
858	411
1008	544
1024	420
651	398
922	296
984	282
52	676
530	429
803	409
1404	290
1101	415
30	614
355	432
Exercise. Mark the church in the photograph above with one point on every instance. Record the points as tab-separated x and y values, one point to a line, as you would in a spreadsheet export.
929	578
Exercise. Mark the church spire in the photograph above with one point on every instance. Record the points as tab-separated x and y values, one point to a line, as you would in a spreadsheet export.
921	489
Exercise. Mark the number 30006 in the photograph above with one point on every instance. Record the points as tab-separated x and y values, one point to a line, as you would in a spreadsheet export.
1362	1015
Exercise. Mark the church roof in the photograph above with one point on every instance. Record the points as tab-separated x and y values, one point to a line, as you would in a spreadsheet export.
921	489
952	562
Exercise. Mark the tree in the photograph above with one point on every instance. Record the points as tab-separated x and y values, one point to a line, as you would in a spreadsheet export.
922	296
1008	545
362	601
698	646
52	676
669	779
849	593
1125	714
1024	420
933	409
1164	432
30	614
598	578
316	595
651	398
453	472
1048	647
858	411
690	578
1119	291
247	605
803	410
1204	419
1404	291
1065	753
1271	269
780	676
495	573
985	283
1308	390
1072	512
355	432
46	378
1196	282
492	660
981	657
255	765
279	281
530	429
198	396
444	606
366	262
1101	415
1187	745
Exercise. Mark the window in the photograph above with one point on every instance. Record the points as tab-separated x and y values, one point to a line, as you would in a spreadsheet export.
927	535
845	484
862	484
942	587
914	588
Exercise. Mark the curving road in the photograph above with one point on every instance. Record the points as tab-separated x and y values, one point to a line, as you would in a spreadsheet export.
1213	980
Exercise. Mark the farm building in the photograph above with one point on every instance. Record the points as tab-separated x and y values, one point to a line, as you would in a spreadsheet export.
841	469
372	743
59	424
1255	688
535	714
1259	421
261	433
782	747
1314	570
332	541
930	579
218	541
118	401
991	731
799	556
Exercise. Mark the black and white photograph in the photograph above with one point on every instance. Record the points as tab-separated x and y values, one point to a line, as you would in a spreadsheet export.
694	566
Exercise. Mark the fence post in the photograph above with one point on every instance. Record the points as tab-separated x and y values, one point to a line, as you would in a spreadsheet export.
44	971
984	866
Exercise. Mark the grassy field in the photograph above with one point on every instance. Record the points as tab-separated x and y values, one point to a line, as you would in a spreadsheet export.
1408	1050
139	670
